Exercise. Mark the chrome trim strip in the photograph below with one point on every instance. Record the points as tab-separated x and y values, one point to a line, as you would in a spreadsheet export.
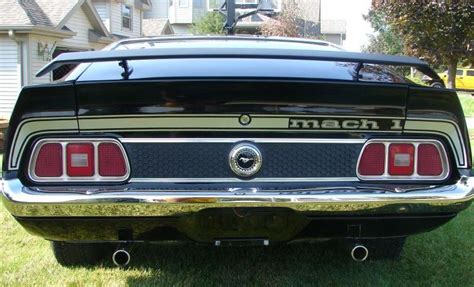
293	131
235	140
65	178
385	176
233	179
24	201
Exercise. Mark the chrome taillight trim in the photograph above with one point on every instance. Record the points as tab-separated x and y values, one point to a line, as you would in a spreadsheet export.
415	176
65	178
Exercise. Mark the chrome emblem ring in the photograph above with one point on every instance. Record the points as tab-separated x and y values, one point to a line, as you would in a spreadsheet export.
245	160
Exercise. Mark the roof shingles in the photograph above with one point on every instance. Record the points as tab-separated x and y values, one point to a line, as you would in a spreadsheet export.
154	26
34	12
12	13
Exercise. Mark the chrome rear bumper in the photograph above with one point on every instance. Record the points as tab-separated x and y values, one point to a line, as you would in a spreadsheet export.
23	201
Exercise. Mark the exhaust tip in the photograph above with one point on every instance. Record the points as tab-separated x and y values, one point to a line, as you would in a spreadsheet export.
359	253
121	258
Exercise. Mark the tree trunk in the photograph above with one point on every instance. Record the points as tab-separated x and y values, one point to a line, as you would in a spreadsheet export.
452	74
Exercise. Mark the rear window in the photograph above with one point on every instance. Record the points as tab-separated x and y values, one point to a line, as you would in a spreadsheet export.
237	68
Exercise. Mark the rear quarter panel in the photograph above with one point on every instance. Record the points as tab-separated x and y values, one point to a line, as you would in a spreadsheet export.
40	103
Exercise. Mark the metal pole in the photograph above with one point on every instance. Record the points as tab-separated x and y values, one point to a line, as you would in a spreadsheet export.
230	20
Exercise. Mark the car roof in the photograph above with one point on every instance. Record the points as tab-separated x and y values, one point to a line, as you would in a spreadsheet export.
247	41
229	47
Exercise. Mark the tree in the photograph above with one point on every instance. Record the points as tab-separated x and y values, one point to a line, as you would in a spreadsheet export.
285	24
385	40
439	31
210	24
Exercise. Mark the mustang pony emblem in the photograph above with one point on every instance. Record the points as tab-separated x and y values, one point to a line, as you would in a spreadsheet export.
245	160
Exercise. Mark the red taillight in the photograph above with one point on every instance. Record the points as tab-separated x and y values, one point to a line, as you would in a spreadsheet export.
398	159
429	160
49	161
59	160
80	159
111	160
401	159
372	161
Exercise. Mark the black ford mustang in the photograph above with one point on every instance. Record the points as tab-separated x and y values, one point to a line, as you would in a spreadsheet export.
234	141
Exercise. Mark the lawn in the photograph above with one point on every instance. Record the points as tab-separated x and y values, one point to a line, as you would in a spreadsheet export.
443	257
467	102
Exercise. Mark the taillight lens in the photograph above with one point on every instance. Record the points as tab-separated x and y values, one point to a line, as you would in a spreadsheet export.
372	161
401	159
57	160
429	160
80	159
111	160
49	161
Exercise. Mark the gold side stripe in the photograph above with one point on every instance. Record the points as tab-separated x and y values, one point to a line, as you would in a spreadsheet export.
230	123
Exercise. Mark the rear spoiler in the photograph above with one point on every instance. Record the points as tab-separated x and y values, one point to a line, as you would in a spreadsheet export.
224	52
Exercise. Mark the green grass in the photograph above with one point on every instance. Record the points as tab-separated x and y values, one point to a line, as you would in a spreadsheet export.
443	257
467	102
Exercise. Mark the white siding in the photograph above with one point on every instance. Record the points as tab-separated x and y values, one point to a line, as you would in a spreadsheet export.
37	61
103	9
116	21
159	9
199	10
115	18
10	75
78	23
181	15
137	22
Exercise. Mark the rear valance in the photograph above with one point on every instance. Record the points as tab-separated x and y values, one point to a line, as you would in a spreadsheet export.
220	52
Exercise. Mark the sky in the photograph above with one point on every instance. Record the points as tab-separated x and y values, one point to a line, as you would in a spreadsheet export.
351	11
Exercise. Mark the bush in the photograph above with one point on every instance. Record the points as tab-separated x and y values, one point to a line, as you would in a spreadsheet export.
211	24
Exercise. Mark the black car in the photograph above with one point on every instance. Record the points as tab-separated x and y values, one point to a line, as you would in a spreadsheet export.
234	141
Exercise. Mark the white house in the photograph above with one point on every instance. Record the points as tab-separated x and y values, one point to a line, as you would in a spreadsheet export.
34	31
122	18
183	13
180	13
313	22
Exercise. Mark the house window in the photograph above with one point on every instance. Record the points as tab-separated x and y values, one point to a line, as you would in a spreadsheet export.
127	16
183	3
